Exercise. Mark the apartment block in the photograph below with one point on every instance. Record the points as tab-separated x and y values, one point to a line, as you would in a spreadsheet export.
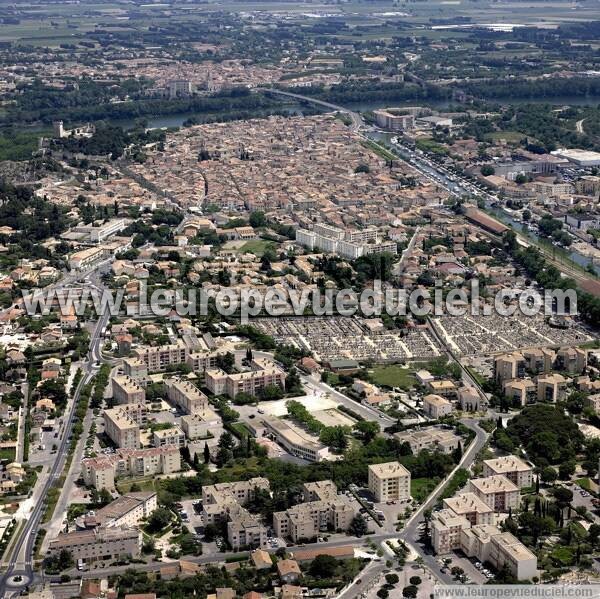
321	490
127	510
521	391
169	436
443	388
253	382
122	424
186	396
225	502
101	472
436	406
485	542
571	359
498	492
136	369
394	121
551	387
307	520
201	425
99	543
446	530
159	358
512	467
539	360
593	402
126	390
509	366
86	258
488	543
470	507
389	482
469	399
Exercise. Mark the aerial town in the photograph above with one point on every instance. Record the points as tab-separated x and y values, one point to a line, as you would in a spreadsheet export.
298	300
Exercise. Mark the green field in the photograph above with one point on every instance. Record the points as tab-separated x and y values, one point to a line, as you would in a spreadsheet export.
393	375
257	247
421	488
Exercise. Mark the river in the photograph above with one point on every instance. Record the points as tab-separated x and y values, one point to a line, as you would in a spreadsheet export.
177	120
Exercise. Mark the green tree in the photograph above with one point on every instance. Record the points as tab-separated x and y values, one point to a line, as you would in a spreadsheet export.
358	526
323	566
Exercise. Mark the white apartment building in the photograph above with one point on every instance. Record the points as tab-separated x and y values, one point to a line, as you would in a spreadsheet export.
306	520
127	390
512	467
225	501
252	382
470	507
389	482
169	436
436	407
122	424
186	396
127	510
446	530
498	492
86	258
99	543
201	425
101	472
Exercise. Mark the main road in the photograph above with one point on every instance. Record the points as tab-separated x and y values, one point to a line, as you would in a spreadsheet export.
20	572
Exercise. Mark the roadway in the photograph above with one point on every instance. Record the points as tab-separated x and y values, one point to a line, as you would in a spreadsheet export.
410	534
20	561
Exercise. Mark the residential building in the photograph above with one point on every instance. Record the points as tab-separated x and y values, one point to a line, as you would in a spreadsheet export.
551	387
101	472
127	390
87	258
168	436
394	121
122	424
468	399
321	490
201	425
446	530
98	544
539	360
186	396
488	544
571	359
593	402
509	366
436	406
288	570
512	467
498	492
225	501
306	520
521	391
470	507
389	482
444	388
159	358
253	382
127	510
